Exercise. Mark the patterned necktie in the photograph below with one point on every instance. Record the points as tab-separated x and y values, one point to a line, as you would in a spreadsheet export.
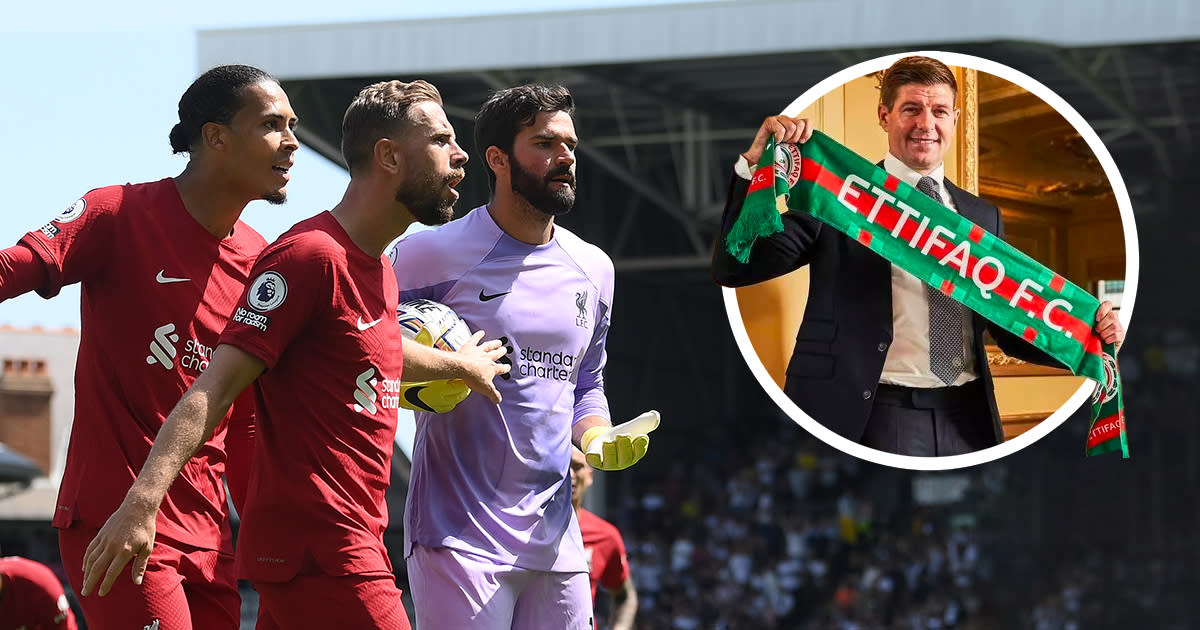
947	318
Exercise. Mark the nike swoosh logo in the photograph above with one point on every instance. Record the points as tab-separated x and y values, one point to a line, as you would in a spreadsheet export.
366	325
413	396
165	280
483	297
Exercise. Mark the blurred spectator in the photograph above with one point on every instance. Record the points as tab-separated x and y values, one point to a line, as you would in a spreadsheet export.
32	597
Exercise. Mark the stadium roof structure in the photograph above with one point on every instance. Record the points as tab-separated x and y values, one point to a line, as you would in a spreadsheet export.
667	95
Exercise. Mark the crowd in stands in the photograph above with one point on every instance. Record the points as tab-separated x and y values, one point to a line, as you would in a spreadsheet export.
1130	557
793	534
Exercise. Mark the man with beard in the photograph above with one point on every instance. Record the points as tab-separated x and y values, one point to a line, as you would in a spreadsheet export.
490	536
324	346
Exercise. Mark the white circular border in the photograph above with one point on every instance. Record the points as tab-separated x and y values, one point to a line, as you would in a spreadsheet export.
1132	261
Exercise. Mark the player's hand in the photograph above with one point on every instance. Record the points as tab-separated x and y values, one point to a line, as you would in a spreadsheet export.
1108	327
784	128
434	396
619	447
127	535
479	365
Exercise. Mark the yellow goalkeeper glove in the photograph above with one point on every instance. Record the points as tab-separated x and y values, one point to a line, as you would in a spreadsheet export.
434	396
619	447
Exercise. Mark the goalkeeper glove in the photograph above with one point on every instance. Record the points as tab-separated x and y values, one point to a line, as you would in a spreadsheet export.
433	396
619	447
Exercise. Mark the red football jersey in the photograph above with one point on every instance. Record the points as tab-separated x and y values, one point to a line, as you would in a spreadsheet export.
321	314
157	290
604	550
32	598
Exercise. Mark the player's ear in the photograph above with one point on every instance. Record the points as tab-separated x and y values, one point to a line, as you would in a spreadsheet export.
497	160
883	114
388	155
213	136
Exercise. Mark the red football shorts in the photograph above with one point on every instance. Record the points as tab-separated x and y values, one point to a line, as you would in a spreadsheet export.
184	588
368	601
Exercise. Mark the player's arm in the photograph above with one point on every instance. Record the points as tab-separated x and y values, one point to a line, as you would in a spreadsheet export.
585	424
129	532
605	446
21	271
625	603
75	246
474	363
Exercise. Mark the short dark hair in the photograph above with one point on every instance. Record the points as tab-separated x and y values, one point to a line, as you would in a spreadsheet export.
376	113
214	96
506	111
909	70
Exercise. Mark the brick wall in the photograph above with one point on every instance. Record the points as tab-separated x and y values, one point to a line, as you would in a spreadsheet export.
25	391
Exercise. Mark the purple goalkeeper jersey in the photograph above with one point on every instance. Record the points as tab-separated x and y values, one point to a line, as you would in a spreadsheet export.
493	480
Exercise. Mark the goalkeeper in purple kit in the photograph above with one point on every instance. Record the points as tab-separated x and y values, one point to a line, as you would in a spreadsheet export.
491	539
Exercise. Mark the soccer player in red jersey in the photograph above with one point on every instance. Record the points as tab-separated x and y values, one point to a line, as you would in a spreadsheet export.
32	598
161	266
604	549
317	328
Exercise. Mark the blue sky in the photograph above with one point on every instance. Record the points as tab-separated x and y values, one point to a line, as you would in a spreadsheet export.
90	93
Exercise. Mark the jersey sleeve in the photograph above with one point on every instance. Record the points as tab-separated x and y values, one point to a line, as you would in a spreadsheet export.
616	570
21	271
290	283
590	399
76	244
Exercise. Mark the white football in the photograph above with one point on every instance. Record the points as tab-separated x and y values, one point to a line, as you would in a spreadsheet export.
433	324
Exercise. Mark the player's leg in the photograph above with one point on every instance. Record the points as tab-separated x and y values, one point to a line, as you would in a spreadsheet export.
158	604
319	602
555	600
455	590
211	589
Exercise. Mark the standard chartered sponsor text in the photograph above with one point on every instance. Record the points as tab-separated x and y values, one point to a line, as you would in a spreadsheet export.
196	355
558	366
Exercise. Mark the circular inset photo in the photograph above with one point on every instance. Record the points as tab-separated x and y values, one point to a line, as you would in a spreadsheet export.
959	250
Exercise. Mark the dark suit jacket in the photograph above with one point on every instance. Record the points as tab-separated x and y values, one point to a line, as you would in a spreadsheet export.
847	328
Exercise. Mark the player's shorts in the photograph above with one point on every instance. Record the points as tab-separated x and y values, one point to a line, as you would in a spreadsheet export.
184	588
367	601
453	590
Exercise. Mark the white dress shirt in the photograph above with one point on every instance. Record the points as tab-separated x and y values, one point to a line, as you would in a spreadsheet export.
907	361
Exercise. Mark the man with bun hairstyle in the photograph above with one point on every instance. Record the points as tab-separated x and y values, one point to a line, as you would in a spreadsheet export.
161	266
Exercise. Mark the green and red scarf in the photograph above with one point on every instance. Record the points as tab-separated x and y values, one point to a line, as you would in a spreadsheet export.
942	248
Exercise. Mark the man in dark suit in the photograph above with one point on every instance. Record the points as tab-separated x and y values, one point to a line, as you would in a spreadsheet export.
881	358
